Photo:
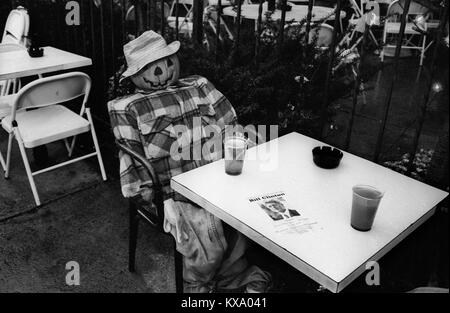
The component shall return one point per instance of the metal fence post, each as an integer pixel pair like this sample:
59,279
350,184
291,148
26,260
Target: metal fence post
356,88
197,27
308,20
282,22
427,100
391,87
162,18
258,31
153,15
138,17
219,16
238,30
122,26
337,16
177,23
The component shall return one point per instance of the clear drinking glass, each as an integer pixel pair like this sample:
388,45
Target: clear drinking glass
235,148
366,200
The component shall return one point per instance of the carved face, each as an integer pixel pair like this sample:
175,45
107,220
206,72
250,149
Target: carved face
158,75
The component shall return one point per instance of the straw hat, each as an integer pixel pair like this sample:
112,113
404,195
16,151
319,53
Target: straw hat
145,49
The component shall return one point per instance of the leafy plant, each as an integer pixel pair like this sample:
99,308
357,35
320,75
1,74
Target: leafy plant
282,85
420,165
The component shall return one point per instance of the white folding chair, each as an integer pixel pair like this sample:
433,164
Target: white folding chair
392,26
130,15
185,15
354,21
17,27
322,34
210,14
50,121
7,90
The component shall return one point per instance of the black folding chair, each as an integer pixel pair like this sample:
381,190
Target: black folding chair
139,209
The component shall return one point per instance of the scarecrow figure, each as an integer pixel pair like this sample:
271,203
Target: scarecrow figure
147,121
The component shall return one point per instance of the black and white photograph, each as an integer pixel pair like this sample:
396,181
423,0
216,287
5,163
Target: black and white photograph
275,205
276,209
193,147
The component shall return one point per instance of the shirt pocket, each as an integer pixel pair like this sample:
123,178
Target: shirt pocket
158,135
207,114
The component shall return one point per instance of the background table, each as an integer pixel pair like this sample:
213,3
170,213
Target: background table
298,12
17,64
334,254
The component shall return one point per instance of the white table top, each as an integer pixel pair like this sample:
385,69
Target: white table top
16,64
334,254
298,12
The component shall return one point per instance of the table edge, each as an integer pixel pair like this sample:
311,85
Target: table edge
81,63
383,251
320,277
306,268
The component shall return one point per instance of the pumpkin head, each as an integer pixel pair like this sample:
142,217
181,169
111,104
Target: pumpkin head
158,75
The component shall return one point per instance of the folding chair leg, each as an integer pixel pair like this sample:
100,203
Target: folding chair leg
66,144
374,39
14,85
178,270
383,46
134,225
97,148
422,51
28,170
19,85
230,34
363,93
350,38
8,154
70,146
8,87
2,161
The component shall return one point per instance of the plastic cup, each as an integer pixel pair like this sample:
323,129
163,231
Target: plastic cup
235,148
366,200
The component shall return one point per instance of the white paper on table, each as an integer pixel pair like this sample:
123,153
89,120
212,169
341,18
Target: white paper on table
284,218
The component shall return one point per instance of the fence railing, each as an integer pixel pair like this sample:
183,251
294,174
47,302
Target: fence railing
105,25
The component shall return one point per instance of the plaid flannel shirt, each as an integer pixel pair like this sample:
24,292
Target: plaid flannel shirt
147,123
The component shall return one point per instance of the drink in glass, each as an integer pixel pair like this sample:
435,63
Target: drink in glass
366,200
234,154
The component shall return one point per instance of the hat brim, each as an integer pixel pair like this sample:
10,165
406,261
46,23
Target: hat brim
169,50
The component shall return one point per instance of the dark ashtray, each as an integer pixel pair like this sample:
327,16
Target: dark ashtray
327,157
35,52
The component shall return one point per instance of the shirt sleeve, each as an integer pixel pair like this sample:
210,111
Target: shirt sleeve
225,113
132,174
